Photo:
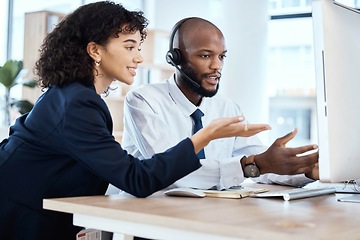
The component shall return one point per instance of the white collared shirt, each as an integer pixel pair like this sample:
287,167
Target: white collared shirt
157,117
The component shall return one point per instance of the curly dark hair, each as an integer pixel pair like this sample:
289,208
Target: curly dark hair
63,56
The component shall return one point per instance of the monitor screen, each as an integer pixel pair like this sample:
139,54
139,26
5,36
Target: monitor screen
337,58
352,5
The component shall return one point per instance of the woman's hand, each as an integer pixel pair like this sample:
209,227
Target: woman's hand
225,127
231,127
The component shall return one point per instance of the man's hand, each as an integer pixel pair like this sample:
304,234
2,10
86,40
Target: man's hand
314,174
289,161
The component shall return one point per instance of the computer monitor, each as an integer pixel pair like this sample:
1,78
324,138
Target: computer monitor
337,59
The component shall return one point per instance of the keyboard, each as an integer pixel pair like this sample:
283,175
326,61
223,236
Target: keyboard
296,193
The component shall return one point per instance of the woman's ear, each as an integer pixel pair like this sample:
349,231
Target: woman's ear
93,51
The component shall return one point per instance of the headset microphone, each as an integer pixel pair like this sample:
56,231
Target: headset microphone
173,56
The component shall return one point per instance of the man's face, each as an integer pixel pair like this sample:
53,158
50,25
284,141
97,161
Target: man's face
203,57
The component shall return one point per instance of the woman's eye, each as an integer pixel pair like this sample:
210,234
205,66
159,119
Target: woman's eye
130,48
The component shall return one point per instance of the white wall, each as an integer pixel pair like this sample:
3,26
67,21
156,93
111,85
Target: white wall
245,29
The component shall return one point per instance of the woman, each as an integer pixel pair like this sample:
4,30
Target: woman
64,147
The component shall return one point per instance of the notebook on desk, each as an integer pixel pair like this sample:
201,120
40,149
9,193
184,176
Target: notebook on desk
199,193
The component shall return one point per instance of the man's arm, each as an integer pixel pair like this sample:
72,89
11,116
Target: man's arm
145,131
151,127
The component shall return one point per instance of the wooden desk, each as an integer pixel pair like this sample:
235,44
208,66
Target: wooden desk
163,217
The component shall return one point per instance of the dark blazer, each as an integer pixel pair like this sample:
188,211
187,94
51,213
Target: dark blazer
63,148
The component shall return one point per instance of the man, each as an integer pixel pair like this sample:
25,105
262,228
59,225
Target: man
158,115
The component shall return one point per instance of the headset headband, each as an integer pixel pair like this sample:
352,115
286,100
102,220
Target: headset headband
174,30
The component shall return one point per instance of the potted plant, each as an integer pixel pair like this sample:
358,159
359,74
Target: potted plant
11,74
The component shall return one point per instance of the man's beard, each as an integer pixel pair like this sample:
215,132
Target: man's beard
200,90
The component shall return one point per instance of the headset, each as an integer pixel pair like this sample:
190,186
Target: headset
173,56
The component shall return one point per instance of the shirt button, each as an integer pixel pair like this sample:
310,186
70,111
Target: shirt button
236,181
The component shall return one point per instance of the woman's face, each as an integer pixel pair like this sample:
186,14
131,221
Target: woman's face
120,58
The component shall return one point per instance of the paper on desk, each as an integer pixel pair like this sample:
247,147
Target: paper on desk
199,193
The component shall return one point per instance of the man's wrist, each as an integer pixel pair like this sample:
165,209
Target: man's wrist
245,160
250,160
250,169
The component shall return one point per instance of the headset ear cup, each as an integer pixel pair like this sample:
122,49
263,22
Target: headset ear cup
173,57
170,57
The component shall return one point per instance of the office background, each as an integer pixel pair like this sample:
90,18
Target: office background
269,69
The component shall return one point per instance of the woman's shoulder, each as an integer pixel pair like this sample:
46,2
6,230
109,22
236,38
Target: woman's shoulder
74,91
73,94
78,88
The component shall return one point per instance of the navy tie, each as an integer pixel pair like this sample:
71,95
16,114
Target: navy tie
196,116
